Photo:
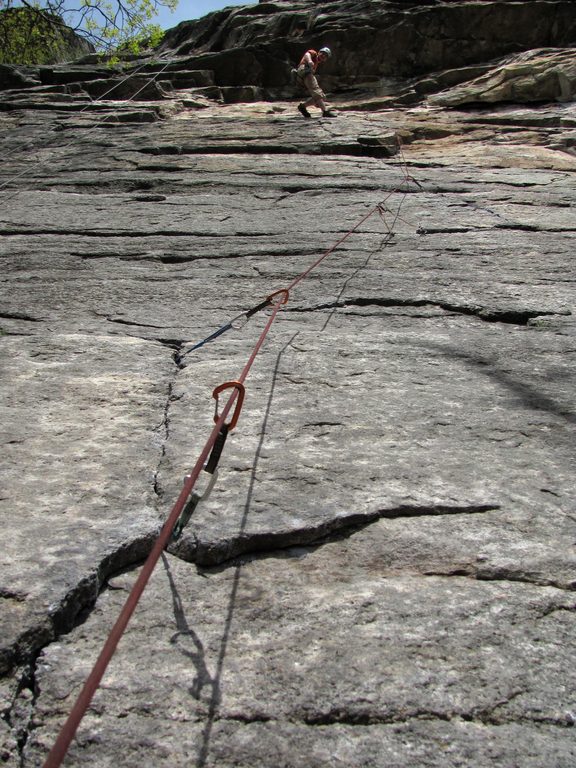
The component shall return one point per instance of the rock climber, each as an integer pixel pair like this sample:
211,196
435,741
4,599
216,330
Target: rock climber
306,78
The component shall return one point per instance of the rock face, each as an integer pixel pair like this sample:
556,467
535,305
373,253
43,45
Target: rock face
384,573
520,51
374,41
543,75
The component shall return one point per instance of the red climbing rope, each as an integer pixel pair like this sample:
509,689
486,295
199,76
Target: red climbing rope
331,250
275,300
60,748
380,208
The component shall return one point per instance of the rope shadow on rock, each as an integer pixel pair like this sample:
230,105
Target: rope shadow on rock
197,654
216,698
388,240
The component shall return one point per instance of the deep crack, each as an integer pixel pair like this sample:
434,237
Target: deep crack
218,553
164,427
489,315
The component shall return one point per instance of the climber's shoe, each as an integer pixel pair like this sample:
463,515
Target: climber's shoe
303,111
329,113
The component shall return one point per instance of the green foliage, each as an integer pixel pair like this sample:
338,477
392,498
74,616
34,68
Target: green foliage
28,39
36,31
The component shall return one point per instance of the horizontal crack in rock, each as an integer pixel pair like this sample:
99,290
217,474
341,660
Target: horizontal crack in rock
101,233
18,316
217,553
353,149
499,573
9,594
121,321
523,227
365,717
489,315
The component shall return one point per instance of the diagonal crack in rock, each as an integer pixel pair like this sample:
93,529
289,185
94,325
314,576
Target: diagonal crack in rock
211,553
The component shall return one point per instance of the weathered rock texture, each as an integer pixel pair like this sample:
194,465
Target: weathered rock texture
377,44
542,75
520,51
384,574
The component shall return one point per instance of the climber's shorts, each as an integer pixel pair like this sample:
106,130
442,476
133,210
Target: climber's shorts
310,83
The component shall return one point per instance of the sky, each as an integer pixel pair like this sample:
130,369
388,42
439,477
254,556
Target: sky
194,9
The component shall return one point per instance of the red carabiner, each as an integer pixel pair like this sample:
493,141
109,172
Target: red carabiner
285,296
241,391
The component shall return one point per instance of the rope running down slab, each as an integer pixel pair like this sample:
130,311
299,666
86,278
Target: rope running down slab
276,300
